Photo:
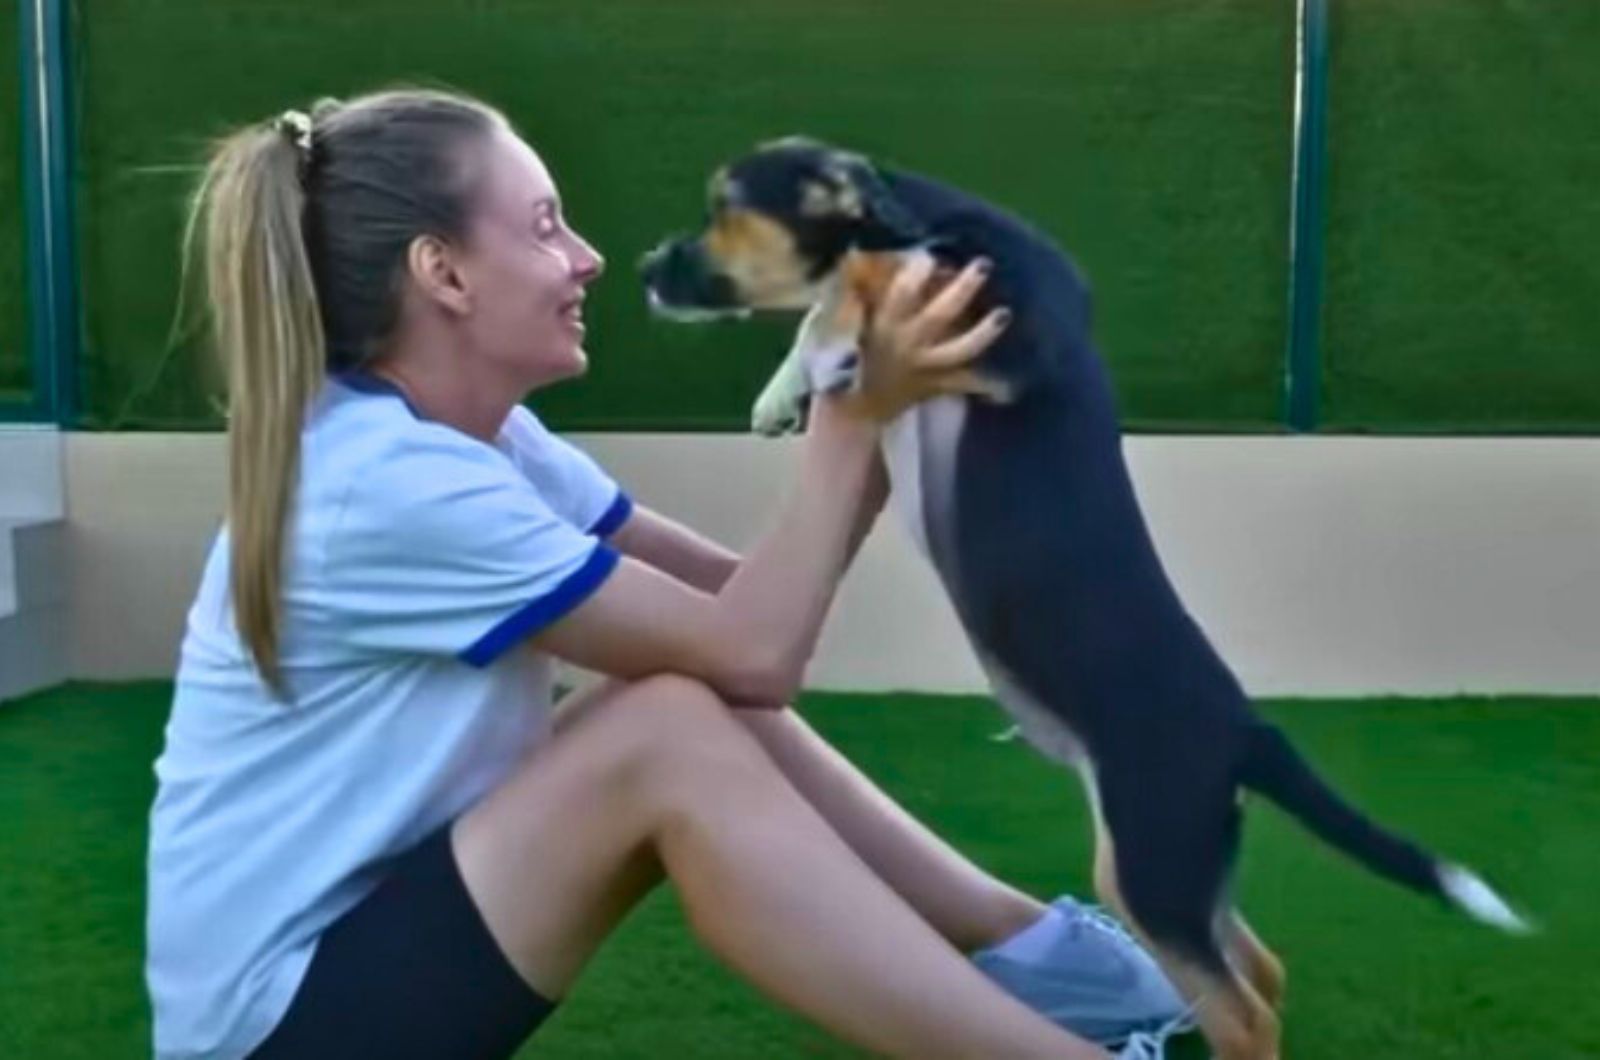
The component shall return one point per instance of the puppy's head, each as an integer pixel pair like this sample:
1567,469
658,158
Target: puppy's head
779,221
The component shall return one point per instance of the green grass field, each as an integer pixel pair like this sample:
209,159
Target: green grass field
1511,786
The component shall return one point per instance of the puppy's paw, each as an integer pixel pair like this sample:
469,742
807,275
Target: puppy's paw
776,415
835,373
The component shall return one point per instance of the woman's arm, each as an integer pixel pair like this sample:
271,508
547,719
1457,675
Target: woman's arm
673,548
752,638
694,559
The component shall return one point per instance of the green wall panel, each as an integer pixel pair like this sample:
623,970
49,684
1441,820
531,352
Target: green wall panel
1463,282
1152,139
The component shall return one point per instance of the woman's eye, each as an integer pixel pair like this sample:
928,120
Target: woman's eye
546,223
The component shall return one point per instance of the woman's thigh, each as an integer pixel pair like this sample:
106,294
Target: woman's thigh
556,856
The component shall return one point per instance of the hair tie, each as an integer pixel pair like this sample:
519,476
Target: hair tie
295,126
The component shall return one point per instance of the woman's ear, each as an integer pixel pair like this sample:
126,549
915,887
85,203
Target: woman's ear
432,267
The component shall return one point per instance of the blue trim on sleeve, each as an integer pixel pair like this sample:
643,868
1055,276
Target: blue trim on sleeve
612,518
534,616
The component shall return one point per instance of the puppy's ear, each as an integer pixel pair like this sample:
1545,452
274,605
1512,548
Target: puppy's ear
858,193
792,142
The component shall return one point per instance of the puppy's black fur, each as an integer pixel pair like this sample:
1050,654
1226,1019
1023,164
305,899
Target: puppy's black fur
1055,576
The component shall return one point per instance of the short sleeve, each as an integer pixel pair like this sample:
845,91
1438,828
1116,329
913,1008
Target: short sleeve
574,486
449,551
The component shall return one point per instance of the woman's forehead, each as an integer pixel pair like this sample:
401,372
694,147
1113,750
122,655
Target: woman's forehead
518,178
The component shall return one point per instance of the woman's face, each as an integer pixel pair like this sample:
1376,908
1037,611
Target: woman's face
526,268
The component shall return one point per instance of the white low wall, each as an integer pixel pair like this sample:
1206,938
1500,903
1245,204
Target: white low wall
1321,566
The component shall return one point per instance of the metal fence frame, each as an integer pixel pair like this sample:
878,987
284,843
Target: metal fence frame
53,325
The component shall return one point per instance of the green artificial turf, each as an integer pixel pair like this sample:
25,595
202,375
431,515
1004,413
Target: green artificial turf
1511,786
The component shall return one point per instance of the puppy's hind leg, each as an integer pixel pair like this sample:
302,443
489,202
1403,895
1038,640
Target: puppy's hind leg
1105,852
1236,1022
1250,955
1173,849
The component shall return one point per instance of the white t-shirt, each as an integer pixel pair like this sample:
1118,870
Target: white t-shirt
417,557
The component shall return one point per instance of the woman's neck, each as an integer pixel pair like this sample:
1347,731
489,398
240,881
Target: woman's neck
449,397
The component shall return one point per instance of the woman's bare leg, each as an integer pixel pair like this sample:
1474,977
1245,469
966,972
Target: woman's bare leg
963,903
657,773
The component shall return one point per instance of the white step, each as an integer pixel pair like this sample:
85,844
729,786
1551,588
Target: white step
33,605
31,480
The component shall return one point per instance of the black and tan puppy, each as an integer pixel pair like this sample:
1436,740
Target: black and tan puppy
1020,497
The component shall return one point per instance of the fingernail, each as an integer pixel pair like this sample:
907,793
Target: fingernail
983,265
1002,317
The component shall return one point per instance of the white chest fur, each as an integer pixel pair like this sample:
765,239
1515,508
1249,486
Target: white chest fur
919,449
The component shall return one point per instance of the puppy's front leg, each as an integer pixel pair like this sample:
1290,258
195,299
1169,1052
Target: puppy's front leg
780,408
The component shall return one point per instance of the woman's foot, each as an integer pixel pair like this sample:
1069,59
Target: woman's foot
1079,968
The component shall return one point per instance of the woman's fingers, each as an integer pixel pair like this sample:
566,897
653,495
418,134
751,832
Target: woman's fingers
965,347
905,290
946,307
910,350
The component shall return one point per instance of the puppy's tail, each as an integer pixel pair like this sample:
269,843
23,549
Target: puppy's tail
1273,768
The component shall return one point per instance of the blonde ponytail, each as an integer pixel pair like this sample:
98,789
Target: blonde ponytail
267,326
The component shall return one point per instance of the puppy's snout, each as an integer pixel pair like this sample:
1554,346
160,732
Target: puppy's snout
679,273
653,263
673,263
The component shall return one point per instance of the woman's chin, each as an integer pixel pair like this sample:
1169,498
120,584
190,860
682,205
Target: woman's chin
578,363
570,364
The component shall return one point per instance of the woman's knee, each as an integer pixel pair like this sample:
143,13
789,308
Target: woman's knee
624,713
668,713
685,742
676,692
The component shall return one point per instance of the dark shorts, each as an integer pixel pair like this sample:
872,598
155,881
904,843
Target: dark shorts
411,971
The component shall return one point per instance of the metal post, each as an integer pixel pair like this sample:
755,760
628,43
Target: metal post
1303,368
47,169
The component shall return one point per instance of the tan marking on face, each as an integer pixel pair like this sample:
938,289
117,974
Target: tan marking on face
759,255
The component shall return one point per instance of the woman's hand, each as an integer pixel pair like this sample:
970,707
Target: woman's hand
908,350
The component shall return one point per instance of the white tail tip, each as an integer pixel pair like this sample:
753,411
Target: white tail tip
1478,900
